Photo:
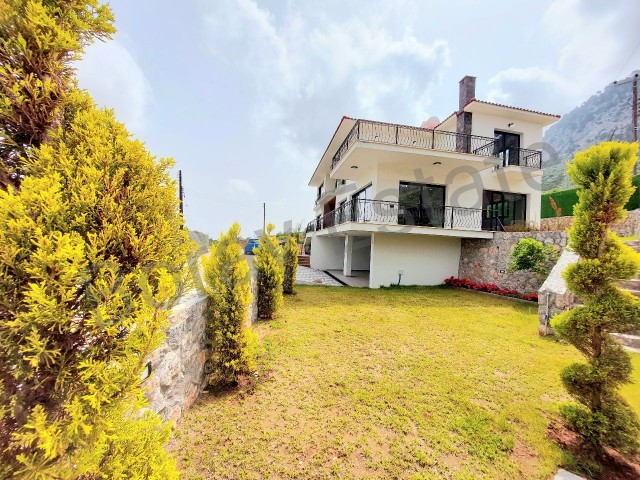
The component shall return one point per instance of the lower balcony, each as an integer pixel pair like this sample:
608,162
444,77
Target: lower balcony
377,212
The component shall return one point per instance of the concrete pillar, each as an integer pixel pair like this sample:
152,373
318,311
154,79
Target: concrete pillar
348,255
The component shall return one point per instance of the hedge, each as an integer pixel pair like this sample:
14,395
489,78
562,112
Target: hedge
566,199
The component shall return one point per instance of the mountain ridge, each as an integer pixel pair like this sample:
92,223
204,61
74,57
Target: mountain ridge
605,115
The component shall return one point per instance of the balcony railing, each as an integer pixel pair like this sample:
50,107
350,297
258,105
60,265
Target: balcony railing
404,135
395,213
520,157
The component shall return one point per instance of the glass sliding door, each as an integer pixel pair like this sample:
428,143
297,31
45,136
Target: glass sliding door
508,147
503,209
361,205
421,204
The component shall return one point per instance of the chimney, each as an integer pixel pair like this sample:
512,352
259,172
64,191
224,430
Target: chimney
463,120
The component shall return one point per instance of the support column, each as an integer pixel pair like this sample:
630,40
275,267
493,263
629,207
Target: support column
348,255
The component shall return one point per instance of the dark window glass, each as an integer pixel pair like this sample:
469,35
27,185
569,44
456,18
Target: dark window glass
421,204
502,209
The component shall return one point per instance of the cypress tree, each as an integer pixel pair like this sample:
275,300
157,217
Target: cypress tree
290,253
232,344
92,255
601,416
270,269
39,41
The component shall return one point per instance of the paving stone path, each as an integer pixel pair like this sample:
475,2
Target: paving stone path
309,276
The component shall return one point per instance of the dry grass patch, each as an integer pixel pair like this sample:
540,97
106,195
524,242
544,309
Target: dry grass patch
422,383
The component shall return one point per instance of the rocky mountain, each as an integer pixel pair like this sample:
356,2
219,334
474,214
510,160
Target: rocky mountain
605,115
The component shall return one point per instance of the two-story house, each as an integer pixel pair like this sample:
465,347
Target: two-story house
396,200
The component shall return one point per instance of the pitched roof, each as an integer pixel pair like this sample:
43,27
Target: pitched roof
512,108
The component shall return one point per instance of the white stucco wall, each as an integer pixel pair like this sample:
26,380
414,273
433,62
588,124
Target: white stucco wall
485,125
327,253
425,260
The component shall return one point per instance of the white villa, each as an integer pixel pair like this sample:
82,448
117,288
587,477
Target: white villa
394,201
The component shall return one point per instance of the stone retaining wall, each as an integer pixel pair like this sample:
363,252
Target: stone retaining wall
178,375
177,367
628,227
486,260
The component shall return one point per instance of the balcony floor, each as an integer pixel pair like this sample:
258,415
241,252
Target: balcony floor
366,228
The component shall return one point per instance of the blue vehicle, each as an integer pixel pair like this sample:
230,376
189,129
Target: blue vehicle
250,245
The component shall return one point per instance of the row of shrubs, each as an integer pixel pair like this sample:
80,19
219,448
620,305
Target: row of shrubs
233,346
489,288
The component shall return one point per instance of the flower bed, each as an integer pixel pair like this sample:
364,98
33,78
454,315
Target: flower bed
489,288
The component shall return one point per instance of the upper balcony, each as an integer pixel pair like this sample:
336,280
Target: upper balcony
484,152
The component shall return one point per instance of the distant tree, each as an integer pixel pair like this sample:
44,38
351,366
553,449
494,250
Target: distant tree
39,41
290,253
232,344
601,416
92,255
270,271
530,254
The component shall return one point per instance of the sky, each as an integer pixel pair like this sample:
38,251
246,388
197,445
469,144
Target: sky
245,94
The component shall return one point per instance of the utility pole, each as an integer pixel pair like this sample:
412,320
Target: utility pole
634,110
180,192
264,217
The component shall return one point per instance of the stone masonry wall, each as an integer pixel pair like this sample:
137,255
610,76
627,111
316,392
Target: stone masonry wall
178,366
486,260
628,227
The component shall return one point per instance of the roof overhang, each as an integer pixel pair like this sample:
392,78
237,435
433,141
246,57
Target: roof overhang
344,127
514,113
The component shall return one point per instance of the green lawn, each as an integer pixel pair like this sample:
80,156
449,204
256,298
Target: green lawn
404,383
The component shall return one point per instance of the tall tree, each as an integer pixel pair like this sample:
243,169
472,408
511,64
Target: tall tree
39,41
601,416
91,255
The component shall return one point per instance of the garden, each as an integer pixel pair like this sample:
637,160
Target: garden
394,383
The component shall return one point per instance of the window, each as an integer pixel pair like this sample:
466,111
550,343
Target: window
320,192
421,204
340,182
502,209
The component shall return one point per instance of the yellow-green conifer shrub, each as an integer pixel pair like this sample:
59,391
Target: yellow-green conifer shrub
92,254
600,416
270,270
232,344
290,253
39,41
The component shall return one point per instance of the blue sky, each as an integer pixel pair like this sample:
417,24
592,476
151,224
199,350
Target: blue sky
246,94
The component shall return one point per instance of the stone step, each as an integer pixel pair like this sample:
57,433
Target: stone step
631,284
635,244
628,339
304,260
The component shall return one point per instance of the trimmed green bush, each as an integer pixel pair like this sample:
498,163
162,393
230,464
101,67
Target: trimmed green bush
232,344
601,417
567,199
530,254
270,270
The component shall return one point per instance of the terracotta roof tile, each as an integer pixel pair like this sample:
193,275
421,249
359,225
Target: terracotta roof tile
513,108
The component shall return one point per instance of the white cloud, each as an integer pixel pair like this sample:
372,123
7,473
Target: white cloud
590,40
309,69
115,80
238,185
